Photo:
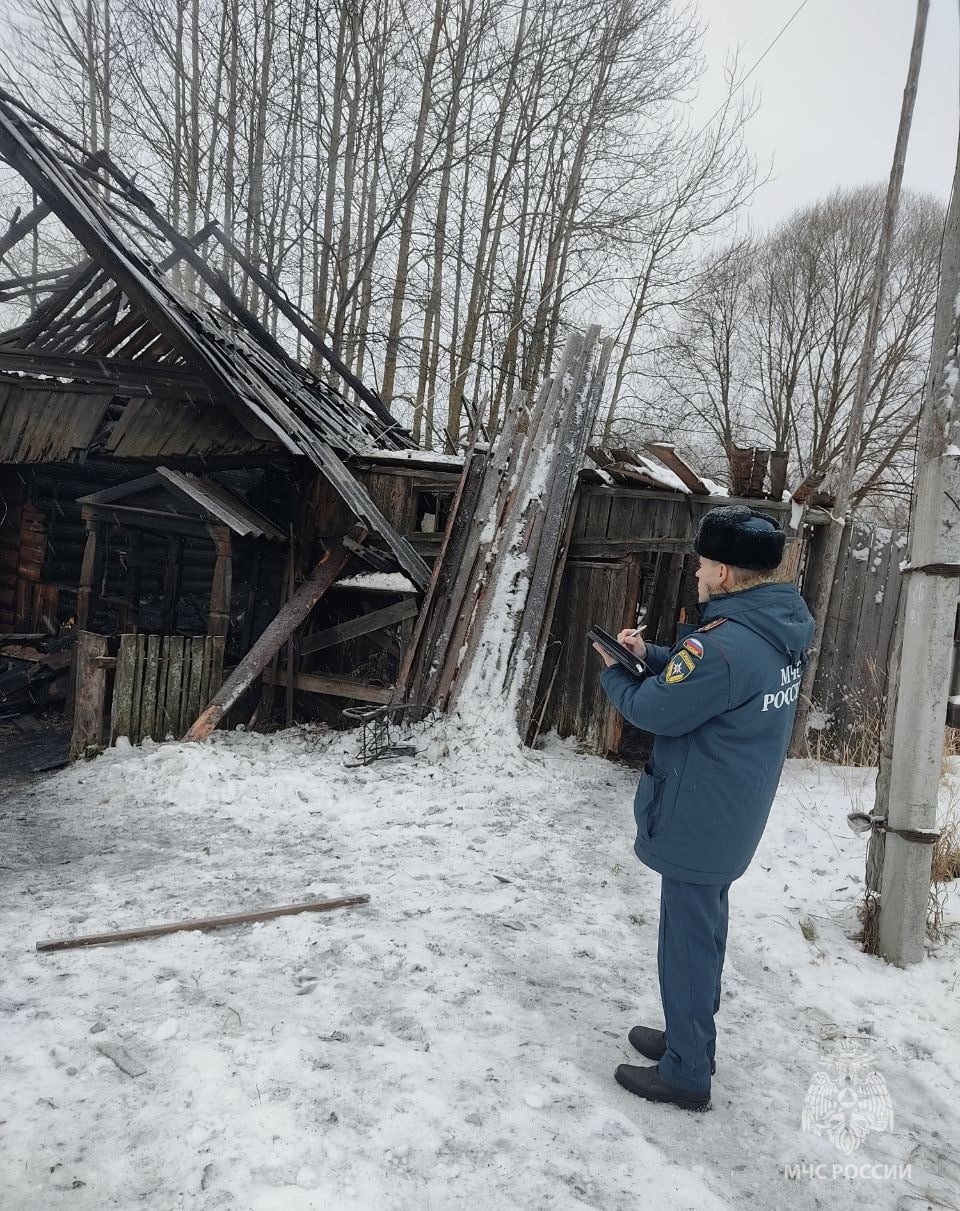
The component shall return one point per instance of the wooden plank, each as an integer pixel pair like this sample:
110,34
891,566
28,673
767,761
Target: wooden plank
456,538
120,722
217,648
90,695
598,515
161,722
174,687
849,626
136,695
183,720
148,700
668,455
337,687
891,599
860,671
827,693
273,638
355,627
195,701
239,918
538,529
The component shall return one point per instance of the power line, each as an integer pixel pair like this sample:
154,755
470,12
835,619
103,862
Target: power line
740,85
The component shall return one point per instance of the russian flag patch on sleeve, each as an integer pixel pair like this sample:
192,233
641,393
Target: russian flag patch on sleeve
694,646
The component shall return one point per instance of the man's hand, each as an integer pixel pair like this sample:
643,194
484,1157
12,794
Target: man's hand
632,640
607,659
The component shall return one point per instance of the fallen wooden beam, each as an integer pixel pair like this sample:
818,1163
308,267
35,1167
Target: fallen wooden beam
336,687
236,918
353,628
276,634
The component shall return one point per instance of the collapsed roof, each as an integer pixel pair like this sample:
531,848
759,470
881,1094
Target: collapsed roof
117,358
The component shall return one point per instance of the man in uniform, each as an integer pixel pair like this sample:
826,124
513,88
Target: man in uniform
721,705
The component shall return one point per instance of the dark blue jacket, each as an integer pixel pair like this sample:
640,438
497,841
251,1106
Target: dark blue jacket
722,710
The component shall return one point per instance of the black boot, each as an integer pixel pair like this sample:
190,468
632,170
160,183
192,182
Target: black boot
649,1084
653,1044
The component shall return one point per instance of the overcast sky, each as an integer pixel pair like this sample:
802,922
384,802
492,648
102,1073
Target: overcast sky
830,93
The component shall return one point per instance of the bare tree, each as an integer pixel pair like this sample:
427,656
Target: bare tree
767,350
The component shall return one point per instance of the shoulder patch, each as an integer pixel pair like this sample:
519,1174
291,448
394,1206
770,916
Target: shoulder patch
680,667
694,646
717,622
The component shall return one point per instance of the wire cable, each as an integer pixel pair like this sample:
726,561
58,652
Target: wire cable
741,83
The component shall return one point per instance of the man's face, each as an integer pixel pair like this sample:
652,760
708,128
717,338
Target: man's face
712,578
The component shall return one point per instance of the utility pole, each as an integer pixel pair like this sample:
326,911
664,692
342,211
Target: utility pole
921,681
827,590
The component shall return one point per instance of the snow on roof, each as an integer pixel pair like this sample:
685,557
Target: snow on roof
433,458
660,474
381,582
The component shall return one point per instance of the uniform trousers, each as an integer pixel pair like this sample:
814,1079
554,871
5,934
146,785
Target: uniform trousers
690,952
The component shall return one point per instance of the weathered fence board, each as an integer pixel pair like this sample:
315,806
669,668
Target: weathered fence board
574,702
849,696
162,683
91,682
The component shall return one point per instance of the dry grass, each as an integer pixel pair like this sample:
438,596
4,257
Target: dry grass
860,746
945,867
946,853
868,914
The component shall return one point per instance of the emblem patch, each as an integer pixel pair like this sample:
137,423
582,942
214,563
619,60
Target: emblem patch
680,667
694,646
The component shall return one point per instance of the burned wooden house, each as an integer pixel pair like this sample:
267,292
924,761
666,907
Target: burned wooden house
171,480
159,451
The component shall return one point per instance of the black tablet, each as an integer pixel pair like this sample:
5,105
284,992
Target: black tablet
630,661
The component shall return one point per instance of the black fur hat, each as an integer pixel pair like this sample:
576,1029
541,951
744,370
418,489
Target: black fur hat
741,537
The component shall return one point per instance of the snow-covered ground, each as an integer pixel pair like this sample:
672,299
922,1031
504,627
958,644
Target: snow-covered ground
451,1044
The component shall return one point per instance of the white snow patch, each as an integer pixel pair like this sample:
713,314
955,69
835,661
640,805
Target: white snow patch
427,457
713,487
382,582
819,720
663,476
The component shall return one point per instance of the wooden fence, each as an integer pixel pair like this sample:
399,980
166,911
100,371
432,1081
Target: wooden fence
160,685
849,695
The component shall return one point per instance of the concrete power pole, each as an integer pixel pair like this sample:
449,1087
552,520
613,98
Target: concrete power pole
827,589
920,683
